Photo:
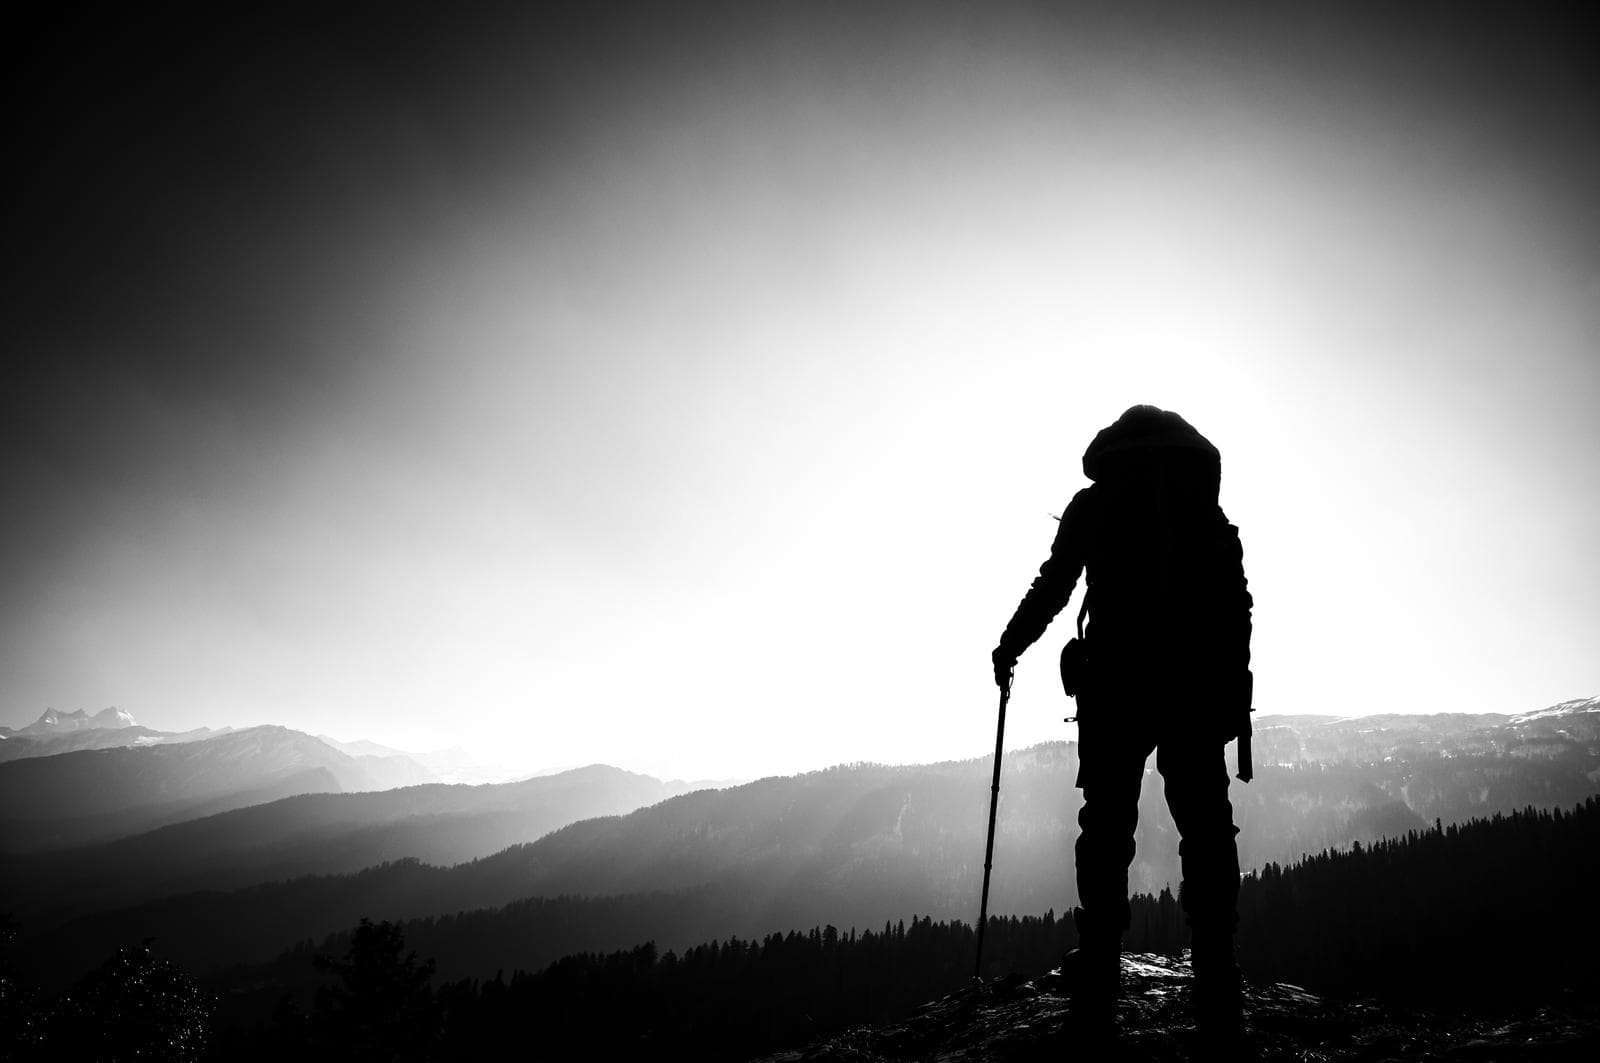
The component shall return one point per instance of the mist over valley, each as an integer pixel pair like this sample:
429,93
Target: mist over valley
598,858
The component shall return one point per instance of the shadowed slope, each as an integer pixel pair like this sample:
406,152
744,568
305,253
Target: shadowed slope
317,834
857,844
91,795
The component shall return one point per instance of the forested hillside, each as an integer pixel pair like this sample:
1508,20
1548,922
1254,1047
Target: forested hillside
853,845
1418,921
317,833
1395,736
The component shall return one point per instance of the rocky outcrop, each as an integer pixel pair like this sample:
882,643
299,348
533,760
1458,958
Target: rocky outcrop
1013,1020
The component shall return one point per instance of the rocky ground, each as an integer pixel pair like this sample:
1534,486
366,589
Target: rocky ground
1017,1020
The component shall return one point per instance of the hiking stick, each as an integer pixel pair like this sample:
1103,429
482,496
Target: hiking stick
994,803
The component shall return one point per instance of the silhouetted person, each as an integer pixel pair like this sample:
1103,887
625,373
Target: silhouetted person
1168,655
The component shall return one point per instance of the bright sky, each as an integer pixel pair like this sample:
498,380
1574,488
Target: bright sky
714,427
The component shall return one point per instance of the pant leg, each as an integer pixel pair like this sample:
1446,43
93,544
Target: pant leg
1111,772
1195,774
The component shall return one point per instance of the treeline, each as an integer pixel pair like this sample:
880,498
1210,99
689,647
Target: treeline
135,1006
727,1000
1291,811
1448,916
1433,918
1482,913
852,846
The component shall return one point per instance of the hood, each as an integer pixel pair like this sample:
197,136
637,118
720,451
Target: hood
1144,428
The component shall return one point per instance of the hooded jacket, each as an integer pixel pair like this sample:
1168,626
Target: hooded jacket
1168,604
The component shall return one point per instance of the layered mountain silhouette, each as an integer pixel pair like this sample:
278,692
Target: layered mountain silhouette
89,795
318,834
852,845
453,765
1376,934
1545,732
62,732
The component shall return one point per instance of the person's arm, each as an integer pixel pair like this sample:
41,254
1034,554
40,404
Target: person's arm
1051,589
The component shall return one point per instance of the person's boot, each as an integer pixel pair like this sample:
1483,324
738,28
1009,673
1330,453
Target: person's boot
1092,975
1218,987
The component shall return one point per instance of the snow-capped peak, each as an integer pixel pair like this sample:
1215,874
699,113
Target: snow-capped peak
1565,708
53,721
112,717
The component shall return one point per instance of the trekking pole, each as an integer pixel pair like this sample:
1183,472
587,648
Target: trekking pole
994,804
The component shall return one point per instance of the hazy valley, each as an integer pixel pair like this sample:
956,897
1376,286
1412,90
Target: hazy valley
515,875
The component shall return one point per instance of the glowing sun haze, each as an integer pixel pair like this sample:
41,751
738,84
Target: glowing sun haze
699,403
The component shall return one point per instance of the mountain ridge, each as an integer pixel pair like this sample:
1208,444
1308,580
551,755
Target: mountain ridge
53,721
87,795
870,839
319,833
855,843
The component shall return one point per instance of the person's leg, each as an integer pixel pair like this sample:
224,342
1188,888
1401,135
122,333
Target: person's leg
1111,770
1196,779
1105,845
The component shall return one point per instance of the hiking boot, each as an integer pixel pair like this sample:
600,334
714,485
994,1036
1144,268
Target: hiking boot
1218,997
1092,974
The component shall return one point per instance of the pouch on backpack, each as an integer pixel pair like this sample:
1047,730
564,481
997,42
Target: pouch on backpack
1075,657
1074,666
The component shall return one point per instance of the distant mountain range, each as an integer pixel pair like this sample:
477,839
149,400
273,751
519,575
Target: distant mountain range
1291,740
851,846
53,722
88,795
64,732
317,834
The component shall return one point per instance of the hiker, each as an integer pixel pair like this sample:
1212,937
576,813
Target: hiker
1165,668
